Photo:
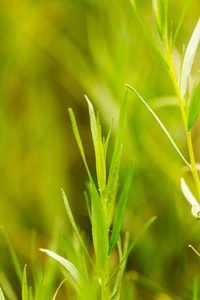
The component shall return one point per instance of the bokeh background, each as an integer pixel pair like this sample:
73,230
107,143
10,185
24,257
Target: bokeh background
51,54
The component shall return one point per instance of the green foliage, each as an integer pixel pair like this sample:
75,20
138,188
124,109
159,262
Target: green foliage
1,295
194,107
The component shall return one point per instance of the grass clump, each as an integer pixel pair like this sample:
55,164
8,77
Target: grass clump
101,201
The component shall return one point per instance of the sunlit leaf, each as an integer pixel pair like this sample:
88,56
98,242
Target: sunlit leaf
55,295
189,58
98,146
187,193
1,295
66,264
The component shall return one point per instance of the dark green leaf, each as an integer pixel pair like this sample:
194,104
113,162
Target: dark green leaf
194,107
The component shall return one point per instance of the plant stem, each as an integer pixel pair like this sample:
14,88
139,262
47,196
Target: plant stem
184,118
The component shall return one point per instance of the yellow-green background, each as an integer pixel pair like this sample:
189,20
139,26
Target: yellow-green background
51,54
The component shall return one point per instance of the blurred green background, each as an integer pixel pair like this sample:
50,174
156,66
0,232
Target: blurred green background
51,54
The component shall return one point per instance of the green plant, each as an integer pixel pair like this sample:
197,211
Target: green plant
102,283
163,45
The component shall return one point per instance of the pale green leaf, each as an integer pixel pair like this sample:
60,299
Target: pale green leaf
73,223
187,193
189,58
194,250
120,212
55,295
24,285
108,138
194,107
162,126
2,295
130,248
67,265
98,146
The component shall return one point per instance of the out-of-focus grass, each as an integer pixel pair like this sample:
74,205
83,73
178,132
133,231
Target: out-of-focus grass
53,52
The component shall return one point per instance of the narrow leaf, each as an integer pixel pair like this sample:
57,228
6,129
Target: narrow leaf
13,255
67,265
194,107
160,15
99,229
108,138
55,295
195,289
130,248
151,40
162,126
24,285
194,250
189,58
2,295
98,146
187,193
120,211
73,223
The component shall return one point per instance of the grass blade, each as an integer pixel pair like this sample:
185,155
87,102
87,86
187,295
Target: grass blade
194,107
187,193
120,211
79,142
189,58
160,15
73,223
197,253
151,40
55,295
24,285
162,126
13,255
98,146
130,248
195,289
67,265
2,295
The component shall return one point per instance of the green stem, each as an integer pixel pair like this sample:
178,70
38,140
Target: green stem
184,118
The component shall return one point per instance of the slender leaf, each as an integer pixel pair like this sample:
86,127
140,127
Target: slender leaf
130,248
195,289
194,107
108,138
194,250
160,15
2,295
189,58
13,255
55,295
112,184
120,211
98,146
162,126
79,142
67,265
73,223
99,229
88,205
151,40
117,287
24,285
187,193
